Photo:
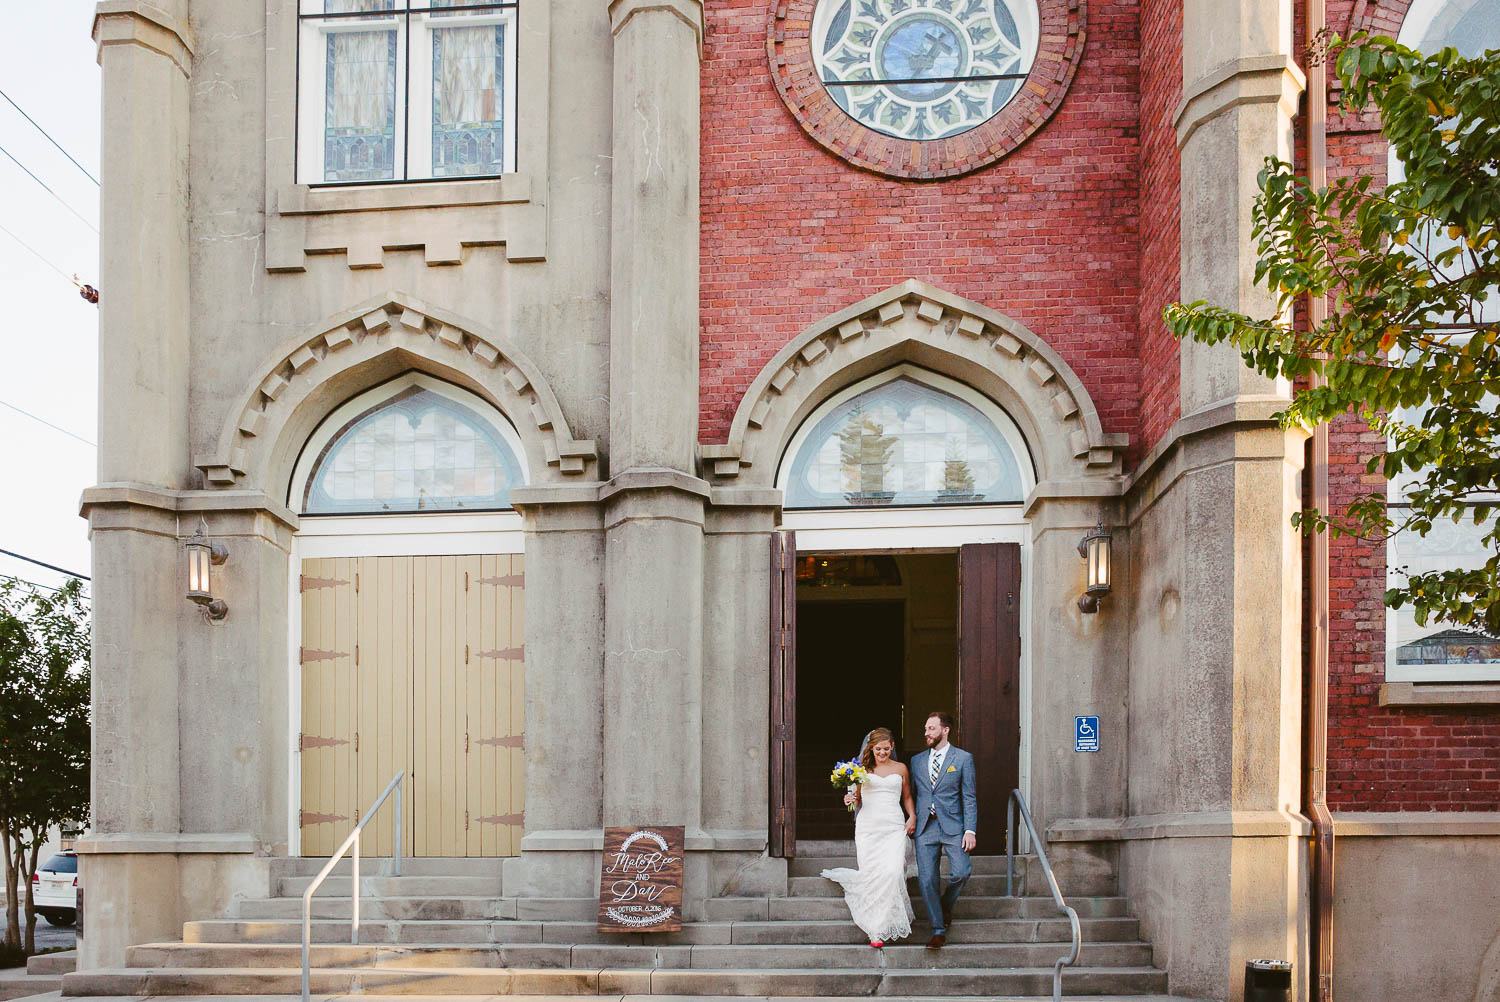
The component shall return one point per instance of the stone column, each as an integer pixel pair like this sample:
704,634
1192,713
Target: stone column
1213,858
145,55
654,501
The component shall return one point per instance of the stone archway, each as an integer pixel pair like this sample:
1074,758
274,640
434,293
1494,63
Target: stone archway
917,323
307,376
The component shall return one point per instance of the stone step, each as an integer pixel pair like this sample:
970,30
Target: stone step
53,963
407,886
811,909
453,907
912,956
1032,981
437,866
811,866
979,885
833,932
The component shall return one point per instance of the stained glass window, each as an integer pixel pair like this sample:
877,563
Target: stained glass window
417,452
1438,651
903,443
924,69
407,89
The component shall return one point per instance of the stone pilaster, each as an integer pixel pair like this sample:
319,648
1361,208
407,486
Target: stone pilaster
654,502
1212,855
145,58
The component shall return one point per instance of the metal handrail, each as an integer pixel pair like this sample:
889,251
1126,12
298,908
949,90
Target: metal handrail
1016,800
353,839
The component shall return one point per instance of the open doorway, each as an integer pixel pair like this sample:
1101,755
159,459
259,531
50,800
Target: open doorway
877,646
870,639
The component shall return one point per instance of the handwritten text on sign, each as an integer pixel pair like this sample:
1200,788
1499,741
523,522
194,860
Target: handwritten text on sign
640,879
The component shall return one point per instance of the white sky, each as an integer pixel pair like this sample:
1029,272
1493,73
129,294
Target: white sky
49,347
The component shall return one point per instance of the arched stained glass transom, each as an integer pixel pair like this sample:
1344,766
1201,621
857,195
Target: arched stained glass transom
904,442
417,449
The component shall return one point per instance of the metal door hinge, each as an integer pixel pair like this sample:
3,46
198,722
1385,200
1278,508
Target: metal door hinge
466,742
466,580
466,652
356,654
356,741
466,820
356,581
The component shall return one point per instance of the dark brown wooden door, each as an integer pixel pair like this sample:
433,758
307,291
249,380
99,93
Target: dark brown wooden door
989,678
782,824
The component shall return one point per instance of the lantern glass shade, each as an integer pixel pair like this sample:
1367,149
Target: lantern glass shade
199,580
1096,547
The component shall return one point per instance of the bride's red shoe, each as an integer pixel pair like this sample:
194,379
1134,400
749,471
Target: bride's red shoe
877,944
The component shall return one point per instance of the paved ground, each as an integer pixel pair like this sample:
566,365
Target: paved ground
50,936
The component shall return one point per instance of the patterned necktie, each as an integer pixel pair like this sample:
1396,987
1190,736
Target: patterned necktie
933,758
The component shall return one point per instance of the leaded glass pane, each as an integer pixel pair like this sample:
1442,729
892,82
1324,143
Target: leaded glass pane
418,452
923,69
1447,546
468,98
359,130
903,443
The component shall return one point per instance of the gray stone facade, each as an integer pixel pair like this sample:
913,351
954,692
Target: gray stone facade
242,308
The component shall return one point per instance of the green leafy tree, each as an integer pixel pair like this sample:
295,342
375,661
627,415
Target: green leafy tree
44,735
1409,273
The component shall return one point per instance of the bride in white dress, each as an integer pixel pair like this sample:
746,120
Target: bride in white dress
876,891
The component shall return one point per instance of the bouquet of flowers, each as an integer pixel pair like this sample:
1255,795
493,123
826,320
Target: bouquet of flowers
847,775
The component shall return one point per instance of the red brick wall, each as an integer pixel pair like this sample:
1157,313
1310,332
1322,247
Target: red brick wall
791,233
1161,204
1385,758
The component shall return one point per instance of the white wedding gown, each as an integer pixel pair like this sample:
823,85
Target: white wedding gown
876,891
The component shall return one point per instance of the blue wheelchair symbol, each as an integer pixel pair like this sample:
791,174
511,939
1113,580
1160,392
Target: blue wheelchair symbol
1086,734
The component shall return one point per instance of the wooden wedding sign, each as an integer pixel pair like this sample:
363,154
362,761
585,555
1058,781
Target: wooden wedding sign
640,879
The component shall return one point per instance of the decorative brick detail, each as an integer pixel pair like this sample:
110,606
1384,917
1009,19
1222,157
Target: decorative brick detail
1058,54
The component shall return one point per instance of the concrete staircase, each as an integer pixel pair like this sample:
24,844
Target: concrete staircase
445,928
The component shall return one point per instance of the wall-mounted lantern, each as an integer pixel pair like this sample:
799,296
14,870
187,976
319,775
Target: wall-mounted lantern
202,556
1094,549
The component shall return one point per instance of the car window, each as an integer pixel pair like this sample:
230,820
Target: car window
61,864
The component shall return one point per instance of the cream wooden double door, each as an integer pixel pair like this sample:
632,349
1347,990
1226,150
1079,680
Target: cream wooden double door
414,663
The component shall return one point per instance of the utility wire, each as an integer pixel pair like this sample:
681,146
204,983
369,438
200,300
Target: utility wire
54,142
42,563
42,258
37,584
49,424
49,191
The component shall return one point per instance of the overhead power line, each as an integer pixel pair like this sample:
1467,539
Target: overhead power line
54,142
49,424
43,563
60,200
43,258
37,584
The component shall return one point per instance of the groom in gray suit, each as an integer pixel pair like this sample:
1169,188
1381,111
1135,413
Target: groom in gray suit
947,813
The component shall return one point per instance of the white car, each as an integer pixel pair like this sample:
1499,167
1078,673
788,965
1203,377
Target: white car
54,889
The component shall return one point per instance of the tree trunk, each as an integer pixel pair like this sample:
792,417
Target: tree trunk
12,926
26,874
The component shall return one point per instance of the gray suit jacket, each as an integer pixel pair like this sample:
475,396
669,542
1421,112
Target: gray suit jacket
954,796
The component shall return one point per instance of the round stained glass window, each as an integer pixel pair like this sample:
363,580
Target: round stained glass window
924,69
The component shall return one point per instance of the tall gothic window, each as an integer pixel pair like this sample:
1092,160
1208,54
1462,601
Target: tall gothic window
905,442
394,90
414,450
1438,651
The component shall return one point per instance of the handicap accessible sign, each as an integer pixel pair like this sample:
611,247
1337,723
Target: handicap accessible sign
1085,734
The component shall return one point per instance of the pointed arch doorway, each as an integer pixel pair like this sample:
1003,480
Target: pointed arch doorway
407,619
897,589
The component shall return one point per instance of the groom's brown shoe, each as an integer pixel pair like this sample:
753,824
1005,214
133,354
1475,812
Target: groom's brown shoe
937,942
